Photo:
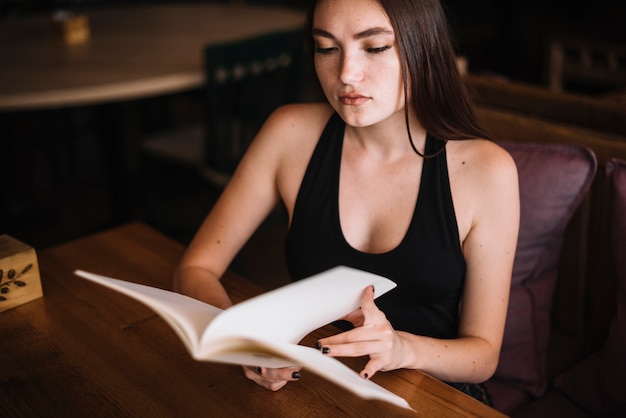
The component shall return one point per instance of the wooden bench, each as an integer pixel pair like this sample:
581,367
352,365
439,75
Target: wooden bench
590,112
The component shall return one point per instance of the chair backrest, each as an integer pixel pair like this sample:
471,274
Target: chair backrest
597,384
614,366
553,179
245,81
591,63
585,111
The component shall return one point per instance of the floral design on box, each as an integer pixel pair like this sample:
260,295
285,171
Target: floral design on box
11,280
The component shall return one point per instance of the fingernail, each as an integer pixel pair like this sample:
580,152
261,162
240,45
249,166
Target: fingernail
366,375
318,345
259,370
325,350
295,375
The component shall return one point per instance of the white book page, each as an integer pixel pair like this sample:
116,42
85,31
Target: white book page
286,314
242,350
289,313
325,298
187,316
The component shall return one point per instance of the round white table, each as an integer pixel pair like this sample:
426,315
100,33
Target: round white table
132,52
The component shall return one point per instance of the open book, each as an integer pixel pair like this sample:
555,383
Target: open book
265,330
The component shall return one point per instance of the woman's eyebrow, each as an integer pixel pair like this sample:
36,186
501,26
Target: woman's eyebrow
373,32
361,35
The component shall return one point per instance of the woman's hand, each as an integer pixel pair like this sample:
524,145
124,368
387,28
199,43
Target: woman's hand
373,336
272,379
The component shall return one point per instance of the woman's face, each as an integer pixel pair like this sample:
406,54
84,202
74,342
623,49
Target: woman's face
357,60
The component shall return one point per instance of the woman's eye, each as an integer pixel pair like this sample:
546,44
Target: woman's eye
378,50
321,50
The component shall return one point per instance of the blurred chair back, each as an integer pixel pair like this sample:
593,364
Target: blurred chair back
245,81
591,63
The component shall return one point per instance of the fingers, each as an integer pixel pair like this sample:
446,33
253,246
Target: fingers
369,311
272,379
367,301
358,341
355,318
375,337
375,364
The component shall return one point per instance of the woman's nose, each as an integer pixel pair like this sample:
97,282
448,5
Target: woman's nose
351,70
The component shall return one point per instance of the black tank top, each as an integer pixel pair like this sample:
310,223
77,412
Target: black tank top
428,265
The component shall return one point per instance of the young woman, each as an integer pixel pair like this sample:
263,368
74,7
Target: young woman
392,175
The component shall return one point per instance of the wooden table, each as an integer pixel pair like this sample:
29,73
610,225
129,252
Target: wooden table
83,350
133,52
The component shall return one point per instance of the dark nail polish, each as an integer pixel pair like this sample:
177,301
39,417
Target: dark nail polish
318,345
325,350
366,376
295,375
259,370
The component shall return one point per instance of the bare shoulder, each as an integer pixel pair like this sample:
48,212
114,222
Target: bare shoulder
284,145
484,185
482,174
302,120
481,160
289,132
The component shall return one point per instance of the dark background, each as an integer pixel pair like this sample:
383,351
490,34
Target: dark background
61,177
500,36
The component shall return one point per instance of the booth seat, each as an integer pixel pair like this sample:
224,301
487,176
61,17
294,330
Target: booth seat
553,180
563,305
595,387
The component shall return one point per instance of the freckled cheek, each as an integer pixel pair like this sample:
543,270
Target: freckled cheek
327,74
321,70
386,76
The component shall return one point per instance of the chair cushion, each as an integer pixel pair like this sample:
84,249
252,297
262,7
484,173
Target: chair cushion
552,405
597,384
553,179
507,398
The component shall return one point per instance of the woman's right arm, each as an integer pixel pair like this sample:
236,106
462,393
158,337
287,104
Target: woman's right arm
248,198
271,170
251,194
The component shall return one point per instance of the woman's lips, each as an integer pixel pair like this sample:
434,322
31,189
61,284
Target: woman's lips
353,99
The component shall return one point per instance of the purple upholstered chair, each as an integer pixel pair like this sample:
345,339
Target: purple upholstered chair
554,179
596,387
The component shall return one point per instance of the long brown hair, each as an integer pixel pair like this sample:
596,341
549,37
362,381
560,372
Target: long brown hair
437,92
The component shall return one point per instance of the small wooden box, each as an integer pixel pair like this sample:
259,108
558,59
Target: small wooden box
70,28
19,273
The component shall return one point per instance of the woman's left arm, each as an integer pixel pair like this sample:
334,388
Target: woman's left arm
489,249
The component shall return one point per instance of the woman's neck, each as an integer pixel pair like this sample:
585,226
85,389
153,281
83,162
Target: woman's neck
388,139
